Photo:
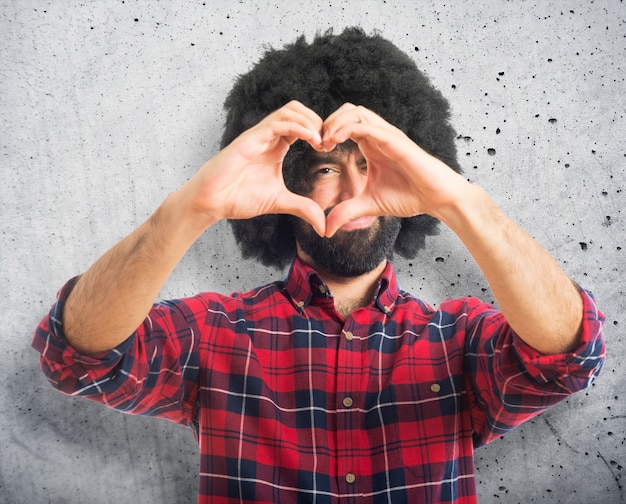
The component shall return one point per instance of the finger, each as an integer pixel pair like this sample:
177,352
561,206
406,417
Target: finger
347,211
316,121
329,123
304,208
346,107
346,116
374,140
331,120
297,113
267,137
292,131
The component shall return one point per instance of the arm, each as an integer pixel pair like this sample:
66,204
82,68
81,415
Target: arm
538,300
116,293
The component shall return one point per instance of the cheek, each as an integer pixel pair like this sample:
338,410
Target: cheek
324,197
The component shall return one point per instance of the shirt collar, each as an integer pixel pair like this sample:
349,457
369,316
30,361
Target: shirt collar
305,286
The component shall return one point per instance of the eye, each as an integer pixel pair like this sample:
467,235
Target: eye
323,170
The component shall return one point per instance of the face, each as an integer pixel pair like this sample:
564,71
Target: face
360,245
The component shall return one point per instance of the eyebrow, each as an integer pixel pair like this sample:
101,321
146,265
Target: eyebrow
333,157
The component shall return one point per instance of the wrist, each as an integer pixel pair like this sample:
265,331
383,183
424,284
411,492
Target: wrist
467,211
184,215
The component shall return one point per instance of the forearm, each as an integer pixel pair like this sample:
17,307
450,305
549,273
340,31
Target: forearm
539,301
113,297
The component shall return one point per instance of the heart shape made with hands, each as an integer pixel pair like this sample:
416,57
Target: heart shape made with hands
339,199
367,131
402,179
385,150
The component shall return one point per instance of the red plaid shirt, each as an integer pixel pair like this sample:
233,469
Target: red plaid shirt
291,402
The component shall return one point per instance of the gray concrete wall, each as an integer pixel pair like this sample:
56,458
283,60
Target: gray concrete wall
107,106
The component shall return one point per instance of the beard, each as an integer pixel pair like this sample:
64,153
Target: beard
349,253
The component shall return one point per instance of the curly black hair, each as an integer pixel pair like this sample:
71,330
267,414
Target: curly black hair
334,69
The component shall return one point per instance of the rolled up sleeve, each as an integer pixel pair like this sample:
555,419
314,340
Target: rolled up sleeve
512,382
153,372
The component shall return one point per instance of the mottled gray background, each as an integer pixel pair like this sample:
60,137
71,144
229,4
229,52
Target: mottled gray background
107,106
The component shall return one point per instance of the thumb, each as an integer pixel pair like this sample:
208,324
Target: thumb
347,211
304,208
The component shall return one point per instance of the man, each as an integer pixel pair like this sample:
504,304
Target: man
333,385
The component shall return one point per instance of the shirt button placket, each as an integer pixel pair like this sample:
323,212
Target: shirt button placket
349,360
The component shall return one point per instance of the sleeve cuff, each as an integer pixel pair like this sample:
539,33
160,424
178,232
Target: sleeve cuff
586,360
58,355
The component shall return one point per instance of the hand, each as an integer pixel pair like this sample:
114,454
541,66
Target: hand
402,179
245,179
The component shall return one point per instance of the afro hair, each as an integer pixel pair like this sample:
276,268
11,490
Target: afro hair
334,69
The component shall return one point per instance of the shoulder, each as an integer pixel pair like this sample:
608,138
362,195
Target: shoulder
464,305
264,297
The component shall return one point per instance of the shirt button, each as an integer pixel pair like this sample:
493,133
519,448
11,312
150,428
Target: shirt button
387,309
300,304
435,387
350,478
348,402
349,335
322,289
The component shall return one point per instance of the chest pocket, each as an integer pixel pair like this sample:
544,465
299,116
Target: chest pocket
417,414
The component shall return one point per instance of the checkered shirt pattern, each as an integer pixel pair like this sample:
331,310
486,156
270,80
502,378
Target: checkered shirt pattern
290,402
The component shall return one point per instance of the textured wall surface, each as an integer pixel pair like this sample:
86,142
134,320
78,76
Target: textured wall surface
107,106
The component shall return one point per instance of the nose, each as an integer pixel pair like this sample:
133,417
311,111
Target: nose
354,178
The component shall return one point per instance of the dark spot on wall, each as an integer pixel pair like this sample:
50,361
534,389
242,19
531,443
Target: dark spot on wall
552,120
583,245
439,259
491,152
